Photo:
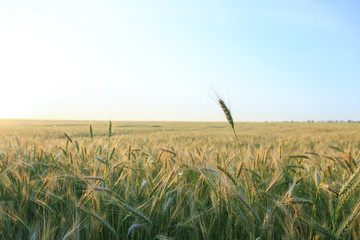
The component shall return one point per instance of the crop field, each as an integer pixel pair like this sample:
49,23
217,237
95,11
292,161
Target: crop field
179,180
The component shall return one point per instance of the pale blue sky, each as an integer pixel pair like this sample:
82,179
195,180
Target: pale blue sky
159,60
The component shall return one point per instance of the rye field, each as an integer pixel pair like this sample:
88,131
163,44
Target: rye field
177,180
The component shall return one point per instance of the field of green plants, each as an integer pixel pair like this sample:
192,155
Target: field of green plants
175,180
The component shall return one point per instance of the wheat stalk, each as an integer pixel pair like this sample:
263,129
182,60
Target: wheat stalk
91,132
230,120
110,129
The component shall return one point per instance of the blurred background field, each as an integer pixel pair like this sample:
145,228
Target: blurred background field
198,134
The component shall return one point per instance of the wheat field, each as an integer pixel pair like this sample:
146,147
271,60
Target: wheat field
177,180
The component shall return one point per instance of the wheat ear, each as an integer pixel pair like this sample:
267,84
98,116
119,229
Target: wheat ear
229,117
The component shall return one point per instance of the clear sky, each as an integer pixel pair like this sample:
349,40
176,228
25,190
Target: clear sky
159,60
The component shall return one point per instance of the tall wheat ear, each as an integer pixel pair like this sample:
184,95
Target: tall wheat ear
230,120
227,112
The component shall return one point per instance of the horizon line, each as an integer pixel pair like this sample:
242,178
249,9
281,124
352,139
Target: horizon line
189,121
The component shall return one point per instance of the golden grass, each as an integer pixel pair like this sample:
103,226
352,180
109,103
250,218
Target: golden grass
164,180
